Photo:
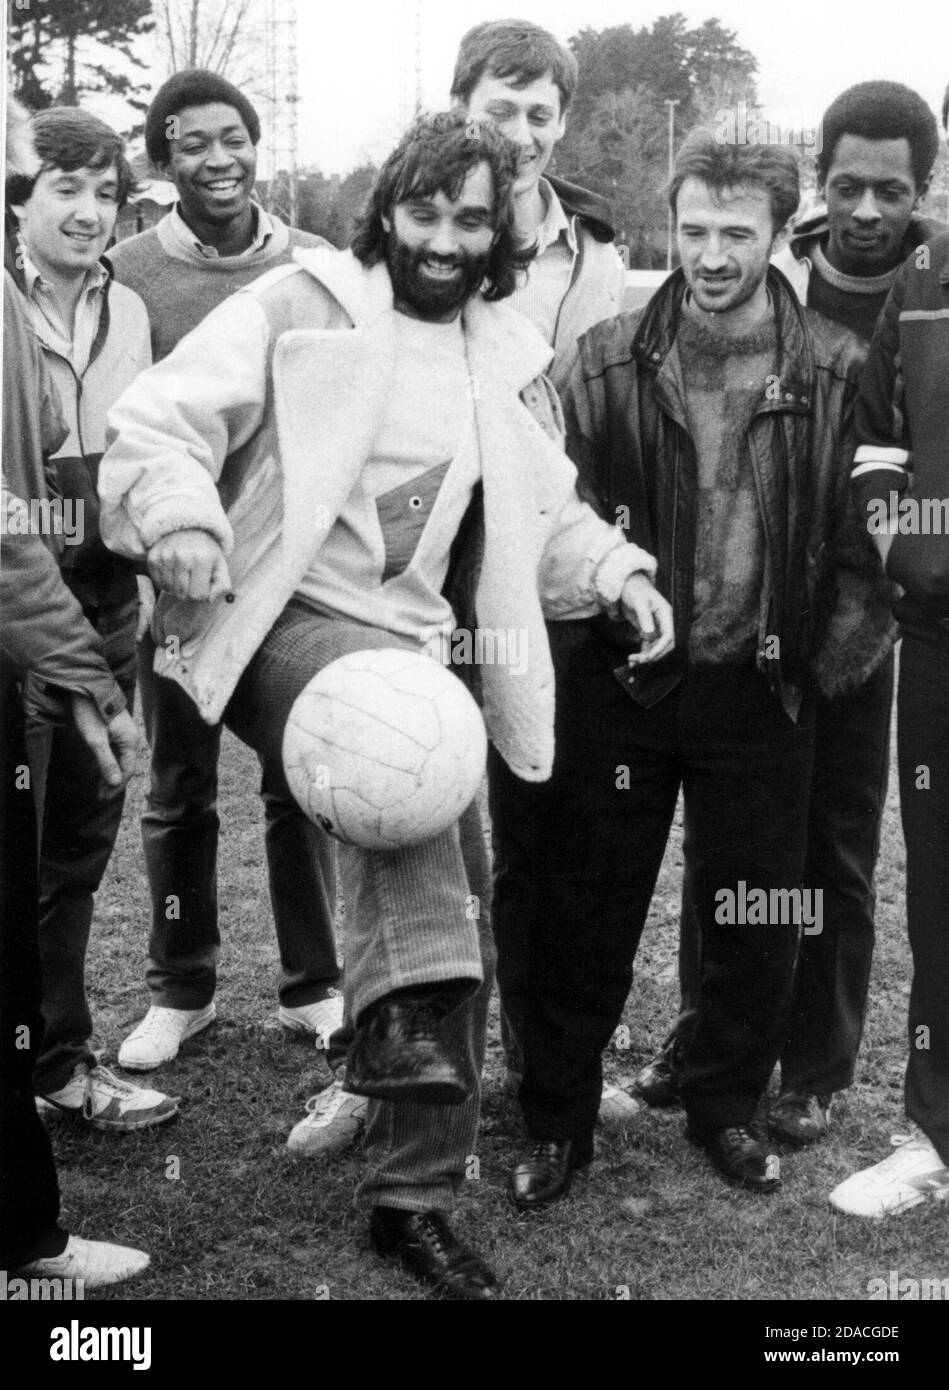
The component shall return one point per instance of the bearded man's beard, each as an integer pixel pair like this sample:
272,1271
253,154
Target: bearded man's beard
432,298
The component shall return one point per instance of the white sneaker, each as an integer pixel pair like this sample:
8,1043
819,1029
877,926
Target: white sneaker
319,1020
160,1034
95,1262
910,1175
105,1102
616,1107
332,1121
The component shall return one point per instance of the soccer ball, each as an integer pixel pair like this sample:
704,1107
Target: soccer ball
384,748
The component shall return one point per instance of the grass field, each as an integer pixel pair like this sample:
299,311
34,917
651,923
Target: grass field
244,1220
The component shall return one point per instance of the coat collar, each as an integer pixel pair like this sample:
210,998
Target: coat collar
656,333
497,334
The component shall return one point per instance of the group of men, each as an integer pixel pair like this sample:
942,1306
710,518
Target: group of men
340,450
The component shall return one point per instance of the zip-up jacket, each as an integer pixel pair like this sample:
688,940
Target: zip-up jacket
902,419
597,282
120,351
258,426
629,437
42,627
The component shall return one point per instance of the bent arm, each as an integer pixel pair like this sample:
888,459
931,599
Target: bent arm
169,434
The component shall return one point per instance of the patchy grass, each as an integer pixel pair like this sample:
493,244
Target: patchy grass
244,1220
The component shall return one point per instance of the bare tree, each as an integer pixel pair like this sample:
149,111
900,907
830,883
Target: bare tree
222,35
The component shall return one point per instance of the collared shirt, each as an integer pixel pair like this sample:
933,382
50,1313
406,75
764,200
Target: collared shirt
47,319
263,231
551,271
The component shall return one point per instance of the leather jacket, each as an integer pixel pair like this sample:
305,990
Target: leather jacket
628,434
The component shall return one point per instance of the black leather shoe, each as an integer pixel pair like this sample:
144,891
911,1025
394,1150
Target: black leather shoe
799,1117
425,1245
398,1055
660,1081
739,1157
543,1174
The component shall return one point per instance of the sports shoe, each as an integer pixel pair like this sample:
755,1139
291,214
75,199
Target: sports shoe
332,1122
158,1037
616,1107
912,1173
319,1020
105,1102
95,1262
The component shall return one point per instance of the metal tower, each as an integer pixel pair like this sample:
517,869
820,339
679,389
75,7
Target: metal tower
281,101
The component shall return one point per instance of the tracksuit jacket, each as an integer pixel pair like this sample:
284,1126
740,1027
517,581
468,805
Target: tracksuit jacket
902,422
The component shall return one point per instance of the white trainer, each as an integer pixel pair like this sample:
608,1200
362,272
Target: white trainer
158,1037
105,1102
95,1262
914,1172
332,1121
319,1020
616,1107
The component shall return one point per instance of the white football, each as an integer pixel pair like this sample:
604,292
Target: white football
384,748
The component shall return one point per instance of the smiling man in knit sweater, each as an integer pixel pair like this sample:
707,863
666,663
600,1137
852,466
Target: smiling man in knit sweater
202,133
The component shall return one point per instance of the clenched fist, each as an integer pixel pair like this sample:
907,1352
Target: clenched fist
189,564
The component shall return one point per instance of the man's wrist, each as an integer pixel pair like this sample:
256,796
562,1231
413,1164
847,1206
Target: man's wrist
625,560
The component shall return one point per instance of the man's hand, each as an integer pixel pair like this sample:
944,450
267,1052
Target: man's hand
114,744
189,564
644,607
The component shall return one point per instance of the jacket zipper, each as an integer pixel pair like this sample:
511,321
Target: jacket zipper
574,277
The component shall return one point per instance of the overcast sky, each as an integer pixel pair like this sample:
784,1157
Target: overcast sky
357,60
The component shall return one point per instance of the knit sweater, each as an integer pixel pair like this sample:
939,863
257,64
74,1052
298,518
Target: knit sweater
180,287
853,300
723,382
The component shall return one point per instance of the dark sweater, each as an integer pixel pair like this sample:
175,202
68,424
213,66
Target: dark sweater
724,382
180,288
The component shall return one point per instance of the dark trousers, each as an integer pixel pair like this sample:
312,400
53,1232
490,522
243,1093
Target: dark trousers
80,822
923,747
848,795
577,859
29,1191
180,838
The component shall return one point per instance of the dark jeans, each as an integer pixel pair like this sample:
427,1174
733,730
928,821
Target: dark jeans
923,746
576,864
29,1191
80,826
180,838
848,795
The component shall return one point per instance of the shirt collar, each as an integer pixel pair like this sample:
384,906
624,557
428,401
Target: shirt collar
556,221
263,231
95,278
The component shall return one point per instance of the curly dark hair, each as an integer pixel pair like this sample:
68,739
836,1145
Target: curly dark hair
436,155
881,111
192,87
